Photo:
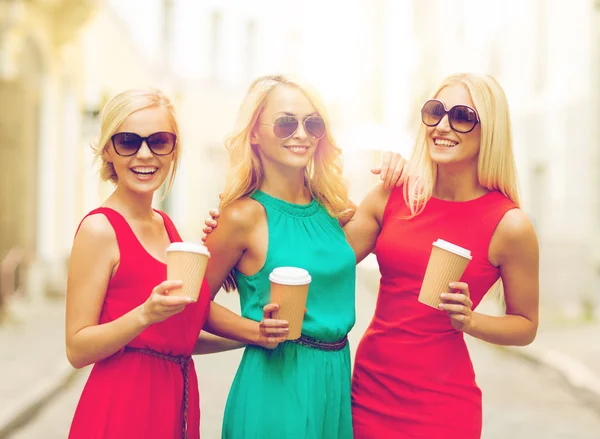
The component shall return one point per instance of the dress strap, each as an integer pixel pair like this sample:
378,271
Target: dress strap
171,229
126,239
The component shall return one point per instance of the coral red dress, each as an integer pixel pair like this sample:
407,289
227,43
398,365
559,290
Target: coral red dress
138,393
413,376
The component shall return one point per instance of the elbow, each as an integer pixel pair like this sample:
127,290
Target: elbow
529,336
75,360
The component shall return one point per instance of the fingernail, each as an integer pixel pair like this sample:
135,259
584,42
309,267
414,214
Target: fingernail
443,295
452,285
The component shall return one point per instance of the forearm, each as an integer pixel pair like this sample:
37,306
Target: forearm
209,344
225,323
507,330
95,343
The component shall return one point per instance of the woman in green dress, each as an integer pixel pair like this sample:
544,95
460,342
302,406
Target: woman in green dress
281,206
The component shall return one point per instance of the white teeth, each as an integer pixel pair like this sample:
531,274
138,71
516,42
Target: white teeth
443,142
144,170
297,148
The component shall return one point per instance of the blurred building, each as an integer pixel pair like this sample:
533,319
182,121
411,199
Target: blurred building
374,61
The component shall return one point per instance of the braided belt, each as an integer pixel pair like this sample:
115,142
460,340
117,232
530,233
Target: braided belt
313,343
184,363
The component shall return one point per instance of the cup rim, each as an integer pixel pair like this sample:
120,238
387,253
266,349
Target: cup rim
453,248
290,276
191,247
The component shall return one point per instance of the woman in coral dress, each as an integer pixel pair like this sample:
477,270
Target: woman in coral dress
413,376
119,314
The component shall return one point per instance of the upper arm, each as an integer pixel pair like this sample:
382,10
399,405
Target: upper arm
514,249
364,227
94,254
228,242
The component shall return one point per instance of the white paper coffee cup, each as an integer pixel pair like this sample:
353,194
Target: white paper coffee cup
186,261
289,289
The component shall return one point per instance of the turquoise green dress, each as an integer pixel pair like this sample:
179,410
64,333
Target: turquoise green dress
295,391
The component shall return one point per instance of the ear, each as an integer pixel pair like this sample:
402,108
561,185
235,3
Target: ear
106,155
254,136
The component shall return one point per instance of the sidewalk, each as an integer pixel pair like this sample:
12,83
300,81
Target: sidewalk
33,364
573,351
34,368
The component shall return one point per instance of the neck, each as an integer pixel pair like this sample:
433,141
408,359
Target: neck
458,182
285,184
132,205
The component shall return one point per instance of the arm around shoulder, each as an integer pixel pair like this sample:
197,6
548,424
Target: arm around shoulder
364,227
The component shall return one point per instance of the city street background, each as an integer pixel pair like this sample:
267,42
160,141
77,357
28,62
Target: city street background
374,62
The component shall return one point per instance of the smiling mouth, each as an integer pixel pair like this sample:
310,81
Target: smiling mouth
146,170
443,143
297,149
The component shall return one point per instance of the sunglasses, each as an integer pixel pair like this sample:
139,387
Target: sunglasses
128,144
461,118
286,126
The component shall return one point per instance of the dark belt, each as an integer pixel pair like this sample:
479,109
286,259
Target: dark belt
184,363
313,343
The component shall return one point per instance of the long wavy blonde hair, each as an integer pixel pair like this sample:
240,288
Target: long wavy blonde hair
114,114
496,168
323,174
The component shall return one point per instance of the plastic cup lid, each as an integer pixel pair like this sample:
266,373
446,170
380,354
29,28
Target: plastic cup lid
290,276
453,248
188,247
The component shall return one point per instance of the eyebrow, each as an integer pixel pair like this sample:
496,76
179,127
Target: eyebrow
314,113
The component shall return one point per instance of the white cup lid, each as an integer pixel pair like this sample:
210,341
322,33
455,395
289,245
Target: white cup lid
453,248
188,247
290,276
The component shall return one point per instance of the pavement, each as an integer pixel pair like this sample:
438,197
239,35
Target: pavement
34,368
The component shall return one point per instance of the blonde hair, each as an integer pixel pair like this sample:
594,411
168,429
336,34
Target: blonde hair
496,169
323,174
120,108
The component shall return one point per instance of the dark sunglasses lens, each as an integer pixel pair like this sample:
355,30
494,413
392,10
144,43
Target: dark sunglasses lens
315,126
162,143
126,143
285,126
462,118
432,112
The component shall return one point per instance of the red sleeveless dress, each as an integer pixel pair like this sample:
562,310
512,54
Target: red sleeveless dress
413,377
132,394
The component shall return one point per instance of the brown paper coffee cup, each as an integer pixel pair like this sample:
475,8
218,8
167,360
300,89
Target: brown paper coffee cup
187,262
289,289
447,263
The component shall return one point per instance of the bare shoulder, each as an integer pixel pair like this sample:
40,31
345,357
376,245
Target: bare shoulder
242,214
96,228
514,234
96,240
515,226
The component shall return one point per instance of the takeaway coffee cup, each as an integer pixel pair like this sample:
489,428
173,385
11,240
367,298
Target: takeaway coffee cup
289,289
447,263
187,261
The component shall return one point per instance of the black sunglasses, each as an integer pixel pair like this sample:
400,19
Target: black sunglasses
128,144
461,118
286,126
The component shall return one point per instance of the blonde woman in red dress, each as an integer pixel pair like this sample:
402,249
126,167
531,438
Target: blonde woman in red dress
119,314
413,377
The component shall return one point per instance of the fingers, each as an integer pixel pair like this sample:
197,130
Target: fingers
214,213
386,160
456,303
163,287
461,286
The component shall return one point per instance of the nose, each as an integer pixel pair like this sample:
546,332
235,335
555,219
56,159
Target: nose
300,131
444,125
144,151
